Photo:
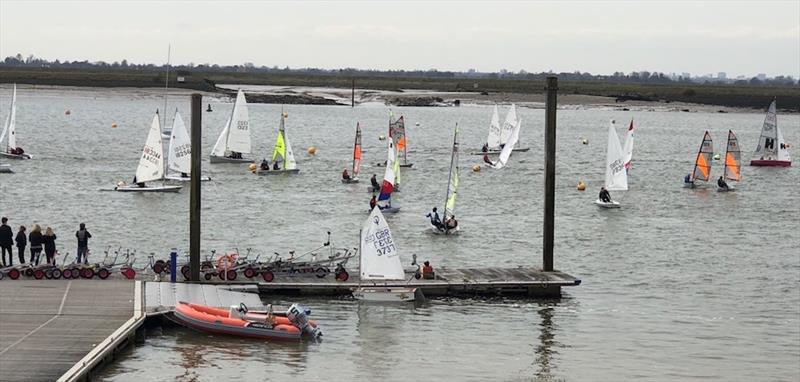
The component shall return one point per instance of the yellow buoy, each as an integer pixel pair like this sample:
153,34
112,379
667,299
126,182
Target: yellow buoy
312,150
285,114
476,168
252,167
381,137
581,186
113,125
716,156
585,141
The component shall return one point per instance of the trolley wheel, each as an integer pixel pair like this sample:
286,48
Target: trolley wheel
2,275
38,274
249,272
268,276
129,273
48,274
417,275
57,273
321,272
29,272
208,276
158,267
185,271
71,273
103,273
230,275
87,273
14,274
342,276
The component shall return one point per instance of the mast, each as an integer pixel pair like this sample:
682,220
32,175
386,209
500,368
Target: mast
450,175
166,86
355,145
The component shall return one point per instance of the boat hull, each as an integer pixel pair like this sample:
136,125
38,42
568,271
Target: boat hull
206,323
15,156
451,231
386,294
497,152
350,181
278,172
135,188
389,210
729,189
407,165
770,163
216,159
178,178
611,204
6,169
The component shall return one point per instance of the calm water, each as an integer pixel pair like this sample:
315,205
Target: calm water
678,285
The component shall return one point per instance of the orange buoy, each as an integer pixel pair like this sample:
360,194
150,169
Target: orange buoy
476,168
113,125
252,167
581,186
312,150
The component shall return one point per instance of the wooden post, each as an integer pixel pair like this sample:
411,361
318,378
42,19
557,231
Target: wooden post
549,173
353,94
194,196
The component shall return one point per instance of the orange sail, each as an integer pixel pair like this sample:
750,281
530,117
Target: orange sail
732,158
702,165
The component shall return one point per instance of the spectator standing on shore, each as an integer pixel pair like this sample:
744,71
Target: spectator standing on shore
22,242
49,241
35,239
6,242
83,236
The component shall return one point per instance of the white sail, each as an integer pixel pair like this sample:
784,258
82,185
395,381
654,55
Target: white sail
239,128
219,147
290,164
151,164
452,184
9,128
180,147
783,151
628,147
508,126
493,140
378,253
385,196
616,176
505,154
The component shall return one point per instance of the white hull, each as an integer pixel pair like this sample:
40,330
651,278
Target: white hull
216,159
349,181
178,178
6,168
277,172
15,156
390,210
135,188
602,204
451,231
386,294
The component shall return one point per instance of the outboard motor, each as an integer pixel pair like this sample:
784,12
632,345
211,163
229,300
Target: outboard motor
299,317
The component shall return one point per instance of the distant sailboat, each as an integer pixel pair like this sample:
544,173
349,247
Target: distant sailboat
356,157
380,262
772,149
702,163
452,192
282,153
616,176
234,141
384,201
179,157
628,148
733,162
10,149
499,135
505,154
397,130
151,164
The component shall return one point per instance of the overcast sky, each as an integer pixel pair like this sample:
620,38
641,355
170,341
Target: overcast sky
740,38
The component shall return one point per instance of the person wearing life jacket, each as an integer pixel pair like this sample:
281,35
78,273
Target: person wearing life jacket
275,166
487,160
375,185
605,197
345,175
721,183
434,216
264,165
485,148
427,271
451,223
372,202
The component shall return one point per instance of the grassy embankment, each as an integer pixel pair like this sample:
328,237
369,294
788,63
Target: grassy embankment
757,97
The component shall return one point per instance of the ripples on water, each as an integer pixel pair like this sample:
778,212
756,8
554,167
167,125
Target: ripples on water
678,285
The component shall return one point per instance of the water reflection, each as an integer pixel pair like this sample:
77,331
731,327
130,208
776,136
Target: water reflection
544,349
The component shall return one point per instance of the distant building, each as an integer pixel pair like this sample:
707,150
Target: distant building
722,75
686,75
181,79
762,76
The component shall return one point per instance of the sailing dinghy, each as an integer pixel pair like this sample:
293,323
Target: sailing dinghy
380,261
397,131
772,150
151,165
505,154
234,141
282,153
179,157
733,162
10,149
5,169
627,148
452,194
499,136
616,176
384,201
702,163
356,157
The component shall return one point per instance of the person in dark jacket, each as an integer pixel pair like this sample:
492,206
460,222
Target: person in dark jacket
434,216
22,242
372,202
721,184
6,242
35,239
83,236
604,196
49,241
375,186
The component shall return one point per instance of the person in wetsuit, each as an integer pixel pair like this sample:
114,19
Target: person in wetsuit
721,184
345,175
264,165
434,216
375,185
605,197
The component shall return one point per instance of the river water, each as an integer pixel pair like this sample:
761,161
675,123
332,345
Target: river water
677,285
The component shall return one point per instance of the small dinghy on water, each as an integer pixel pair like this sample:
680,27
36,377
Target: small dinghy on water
384,201
282,153
499,136
616,176
397,131
9,135
702,163
733,163
356,158
507,150
380,261
240,321
5,169
179,159
772,150
234,141
450,224
151,165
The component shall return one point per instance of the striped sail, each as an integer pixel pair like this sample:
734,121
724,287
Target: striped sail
385,196
616,176
702,165
397,130
732,158
357,152
628,147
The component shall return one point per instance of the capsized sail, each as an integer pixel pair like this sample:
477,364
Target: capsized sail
180,147
732,158
452,184
9,128
357,152
770,144
385,196
151,164
702,165
380,259
283,149
505,154
493,140
616,176
508,126
628,147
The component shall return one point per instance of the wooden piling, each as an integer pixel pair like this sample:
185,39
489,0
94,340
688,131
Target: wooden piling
194,196
353,94
549,173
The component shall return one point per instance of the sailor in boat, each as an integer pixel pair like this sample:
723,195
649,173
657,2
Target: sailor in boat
485,148
235,155
721,184
451,223
209,108
372,202
486,159
427,271
345,175
17,151
434,216
605,197
140,184
688,179
264,165
275,166
375,185
184,175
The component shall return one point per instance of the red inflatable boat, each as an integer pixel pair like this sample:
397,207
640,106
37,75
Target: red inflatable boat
239,321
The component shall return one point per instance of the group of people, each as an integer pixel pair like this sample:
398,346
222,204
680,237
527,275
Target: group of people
721,183
265,165
449,224
37,242
16,151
